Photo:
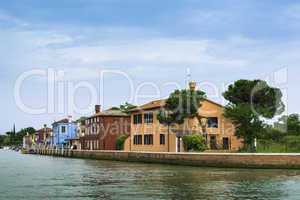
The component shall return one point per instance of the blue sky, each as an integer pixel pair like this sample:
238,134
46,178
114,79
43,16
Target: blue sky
151,41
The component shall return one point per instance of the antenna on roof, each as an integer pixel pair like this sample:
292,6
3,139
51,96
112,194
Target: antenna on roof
188,77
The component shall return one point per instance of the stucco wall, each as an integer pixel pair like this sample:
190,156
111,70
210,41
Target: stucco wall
154,128
208,109
237,160
61,138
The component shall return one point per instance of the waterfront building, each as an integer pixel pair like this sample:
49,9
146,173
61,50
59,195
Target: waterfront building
148,134
103,128
28,141
81,126
64,131
43,136
80,132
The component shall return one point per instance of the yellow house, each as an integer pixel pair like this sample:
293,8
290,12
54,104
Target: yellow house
148,134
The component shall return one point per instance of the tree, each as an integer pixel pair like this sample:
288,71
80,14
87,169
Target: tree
184,104
166,118
292,123
2,137
251,101
12,138
81,120
180,105
127,107
120,141
124,107
270,133
20,134
194,142
288,125
7,141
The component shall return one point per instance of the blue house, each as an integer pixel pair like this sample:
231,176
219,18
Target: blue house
63,132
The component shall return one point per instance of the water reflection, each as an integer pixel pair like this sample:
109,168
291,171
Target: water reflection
37,177
175,182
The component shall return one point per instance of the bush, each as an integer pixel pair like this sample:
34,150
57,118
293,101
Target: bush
194,142
120,142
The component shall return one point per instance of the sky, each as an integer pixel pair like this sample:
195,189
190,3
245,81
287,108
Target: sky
137,51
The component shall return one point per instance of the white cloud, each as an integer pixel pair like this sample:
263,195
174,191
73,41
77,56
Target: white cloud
155,52
156,58
143,57
53,39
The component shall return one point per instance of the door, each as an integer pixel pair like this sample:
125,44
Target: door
225,143
178,141
213,142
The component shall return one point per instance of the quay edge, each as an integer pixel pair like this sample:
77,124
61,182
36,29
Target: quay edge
221,160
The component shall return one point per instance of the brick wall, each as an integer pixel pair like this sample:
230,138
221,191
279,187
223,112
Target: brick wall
233,160
108,129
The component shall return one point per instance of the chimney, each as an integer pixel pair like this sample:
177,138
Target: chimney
97,109
192,85
70,118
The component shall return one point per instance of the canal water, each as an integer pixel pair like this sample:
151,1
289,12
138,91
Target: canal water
44,177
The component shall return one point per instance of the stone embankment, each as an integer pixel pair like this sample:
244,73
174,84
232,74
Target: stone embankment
231,160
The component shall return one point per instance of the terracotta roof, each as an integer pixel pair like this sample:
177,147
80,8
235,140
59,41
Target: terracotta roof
151,105
65,120
160,103
110,112
43,129
218,104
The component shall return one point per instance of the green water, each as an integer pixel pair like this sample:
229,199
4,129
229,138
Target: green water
42,177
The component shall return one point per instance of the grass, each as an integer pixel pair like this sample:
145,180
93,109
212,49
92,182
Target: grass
275,147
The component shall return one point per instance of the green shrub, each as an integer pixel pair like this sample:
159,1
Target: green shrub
120,142
194,142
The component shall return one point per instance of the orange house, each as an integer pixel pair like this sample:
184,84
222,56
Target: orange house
148,134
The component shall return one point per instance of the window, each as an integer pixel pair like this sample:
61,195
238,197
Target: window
63,129
162,139
137,139
148,139
137,119
212,122
148,118
91,145
95,145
